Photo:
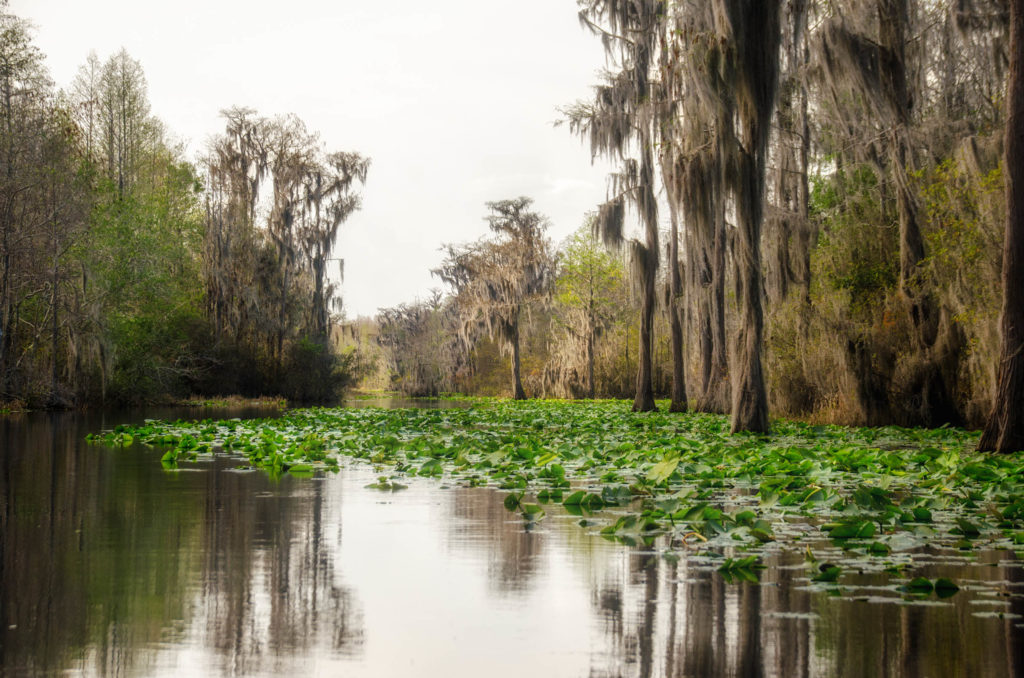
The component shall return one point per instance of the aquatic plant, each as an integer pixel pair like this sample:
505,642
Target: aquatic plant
870,494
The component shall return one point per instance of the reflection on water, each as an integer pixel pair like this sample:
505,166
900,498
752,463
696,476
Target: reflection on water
111,566
397,402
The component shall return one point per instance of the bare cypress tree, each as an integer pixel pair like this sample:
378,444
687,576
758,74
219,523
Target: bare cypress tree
1005,429
620,117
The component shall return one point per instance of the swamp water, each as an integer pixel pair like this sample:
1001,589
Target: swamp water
111,565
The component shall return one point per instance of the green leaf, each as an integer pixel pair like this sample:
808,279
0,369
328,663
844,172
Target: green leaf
827,574
574,499
920,585
662,470
967,528
945,588
532,512
877,548
858,529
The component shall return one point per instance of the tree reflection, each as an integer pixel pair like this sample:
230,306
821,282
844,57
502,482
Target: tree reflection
110,565
103,556
480,517
672,618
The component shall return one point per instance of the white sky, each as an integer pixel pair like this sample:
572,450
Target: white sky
453,100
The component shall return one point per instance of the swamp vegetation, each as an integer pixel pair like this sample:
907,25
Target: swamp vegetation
812,215
881,497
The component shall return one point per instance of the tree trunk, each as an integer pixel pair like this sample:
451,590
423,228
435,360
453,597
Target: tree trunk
7,226
590,363
517,385
644,399
55,326
648,208
715,395
678,403
756,36
937,402
5,314
1005,429
749,396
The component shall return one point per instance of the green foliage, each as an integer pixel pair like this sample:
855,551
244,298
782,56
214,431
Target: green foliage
963,227
857,249
590,297
588,276
141,255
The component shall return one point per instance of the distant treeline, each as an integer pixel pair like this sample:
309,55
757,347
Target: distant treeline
129,275
833,180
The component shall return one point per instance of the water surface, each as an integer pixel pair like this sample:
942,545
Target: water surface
111,565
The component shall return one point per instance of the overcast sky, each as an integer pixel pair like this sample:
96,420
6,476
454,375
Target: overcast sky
453,100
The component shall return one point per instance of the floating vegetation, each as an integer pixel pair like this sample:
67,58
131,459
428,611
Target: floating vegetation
863,498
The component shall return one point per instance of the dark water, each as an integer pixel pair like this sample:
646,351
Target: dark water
112,566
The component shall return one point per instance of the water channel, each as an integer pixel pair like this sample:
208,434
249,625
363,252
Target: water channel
112,566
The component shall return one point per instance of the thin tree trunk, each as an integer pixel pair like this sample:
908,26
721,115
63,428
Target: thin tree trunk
5,313
54,328
678,403
7,224
648,208
644,399
806,237
517,385
590,363
1005,429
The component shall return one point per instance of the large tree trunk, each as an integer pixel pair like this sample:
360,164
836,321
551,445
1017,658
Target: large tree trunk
678,403
755,36
749,396
1005,429
704,209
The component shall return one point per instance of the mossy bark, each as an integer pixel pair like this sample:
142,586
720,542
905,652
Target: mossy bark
1005,429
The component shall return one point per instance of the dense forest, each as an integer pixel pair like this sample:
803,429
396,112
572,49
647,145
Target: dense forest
129,274
821,200
807,219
